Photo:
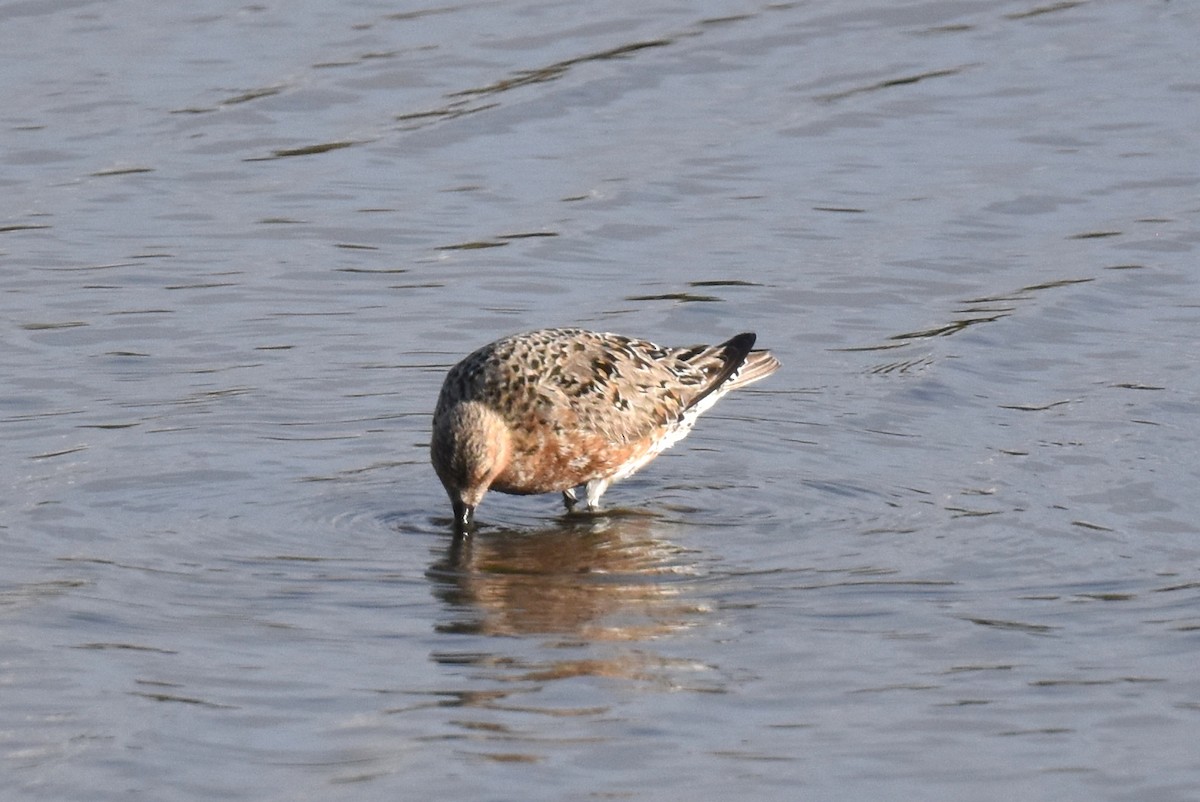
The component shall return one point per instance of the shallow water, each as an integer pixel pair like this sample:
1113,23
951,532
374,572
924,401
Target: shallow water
949,551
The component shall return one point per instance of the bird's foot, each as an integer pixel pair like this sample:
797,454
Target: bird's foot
570,499
595,489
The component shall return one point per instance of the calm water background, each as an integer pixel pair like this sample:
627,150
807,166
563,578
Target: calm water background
950,551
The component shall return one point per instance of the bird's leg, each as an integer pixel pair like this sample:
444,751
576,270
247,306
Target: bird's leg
595,489
569,499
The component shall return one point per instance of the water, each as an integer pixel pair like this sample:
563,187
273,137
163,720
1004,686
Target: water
948,552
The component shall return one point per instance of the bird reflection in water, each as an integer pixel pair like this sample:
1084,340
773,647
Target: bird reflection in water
584,582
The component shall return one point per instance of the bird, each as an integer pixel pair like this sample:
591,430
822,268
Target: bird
557,409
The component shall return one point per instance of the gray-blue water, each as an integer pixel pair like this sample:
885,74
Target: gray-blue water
950,551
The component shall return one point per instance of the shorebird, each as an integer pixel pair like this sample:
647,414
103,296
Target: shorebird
556,409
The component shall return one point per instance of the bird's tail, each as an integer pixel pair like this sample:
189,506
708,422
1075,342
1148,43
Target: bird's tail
758,365
731,364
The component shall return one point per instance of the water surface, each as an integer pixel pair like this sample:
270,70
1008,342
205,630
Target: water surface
949,551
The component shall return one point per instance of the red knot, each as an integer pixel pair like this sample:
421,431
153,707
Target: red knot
555,409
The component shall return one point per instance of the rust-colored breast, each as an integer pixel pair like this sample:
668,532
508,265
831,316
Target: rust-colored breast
547,463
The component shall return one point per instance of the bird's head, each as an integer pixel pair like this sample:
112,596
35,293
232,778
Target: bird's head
471,446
